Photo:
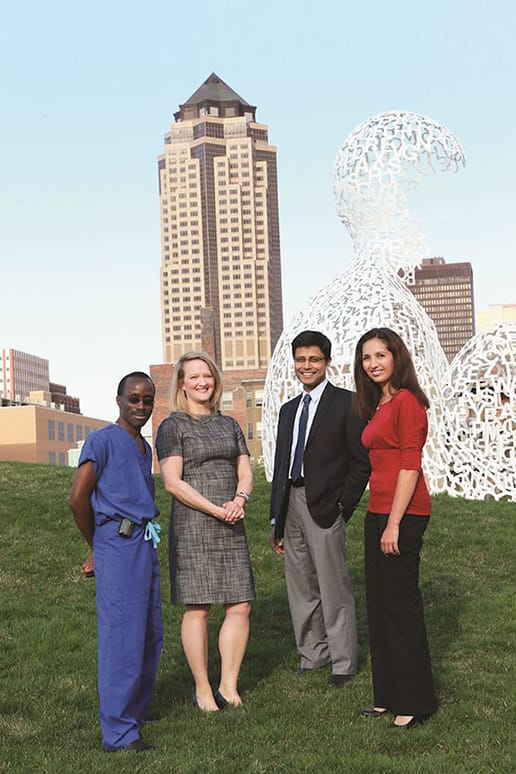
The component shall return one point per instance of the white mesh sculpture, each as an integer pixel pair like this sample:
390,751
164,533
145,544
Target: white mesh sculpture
471,447
381,162
479,421
364,297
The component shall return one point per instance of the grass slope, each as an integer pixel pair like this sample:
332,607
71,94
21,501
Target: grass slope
48,705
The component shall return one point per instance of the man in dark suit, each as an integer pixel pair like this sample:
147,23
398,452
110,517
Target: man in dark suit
320,472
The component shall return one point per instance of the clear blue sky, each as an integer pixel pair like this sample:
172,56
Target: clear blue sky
89,89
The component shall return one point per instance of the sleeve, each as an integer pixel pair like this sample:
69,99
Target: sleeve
412,423
358,471
169,439
276,500
94,450
240,440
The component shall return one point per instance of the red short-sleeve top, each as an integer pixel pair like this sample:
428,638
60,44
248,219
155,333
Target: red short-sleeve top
395,437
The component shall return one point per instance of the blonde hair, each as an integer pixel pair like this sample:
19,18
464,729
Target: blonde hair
178,401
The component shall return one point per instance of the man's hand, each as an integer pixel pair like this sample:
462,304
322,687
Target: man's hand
276,544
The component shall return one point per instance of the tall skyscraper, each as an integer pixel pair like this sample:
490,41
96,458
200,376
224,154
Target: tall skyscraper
220,270
445,291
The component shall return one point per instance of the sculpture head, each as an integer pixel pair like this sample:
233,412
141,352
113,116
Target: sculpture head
381,161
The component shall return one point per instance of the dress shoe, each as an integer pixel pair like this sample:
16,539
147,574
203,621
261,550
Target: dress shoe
417,720
339,681
220,701
373,713
195,702
138,745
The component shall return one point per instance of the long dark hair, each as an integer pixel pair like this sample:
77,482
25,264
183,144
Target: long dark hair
368,393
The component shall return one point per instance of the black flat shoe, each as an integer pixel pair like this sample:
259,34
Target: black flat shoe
417,720
138,745
220,701
340,681
373,713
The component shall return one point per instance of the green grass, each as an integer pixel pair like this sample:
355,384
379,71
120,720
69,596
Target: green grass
48,703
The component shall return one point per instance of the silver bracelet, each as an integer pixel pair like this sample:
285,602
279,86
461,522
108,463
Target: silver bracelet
246,496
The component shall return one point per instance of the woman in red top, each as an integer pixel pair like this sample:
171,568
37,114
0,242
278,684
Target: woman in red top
389,396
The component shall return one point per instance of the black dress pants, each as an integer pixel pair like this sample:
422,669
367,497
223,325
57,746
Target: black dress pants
400,659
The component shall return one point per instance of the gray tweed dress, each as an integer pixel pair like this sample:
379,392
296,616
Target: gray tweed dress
208,559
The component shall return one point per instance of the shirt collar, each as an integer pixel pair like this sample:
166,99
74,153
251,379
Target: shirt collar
316,393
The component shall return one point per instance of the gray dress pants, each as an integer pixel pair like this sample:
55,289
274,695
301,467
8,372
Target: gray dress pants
319,590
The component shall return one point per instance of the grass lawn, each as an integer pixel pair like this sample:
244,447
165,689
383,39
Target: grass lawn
48,702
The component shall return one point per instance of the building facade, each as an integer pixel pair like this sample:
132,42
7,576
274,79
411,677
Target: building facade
20,374
34,433
24,379
445,291
495,313
220,244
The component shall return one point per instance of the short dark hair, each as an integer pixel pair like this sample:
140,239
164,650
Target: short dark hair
133,375
404,375
312,339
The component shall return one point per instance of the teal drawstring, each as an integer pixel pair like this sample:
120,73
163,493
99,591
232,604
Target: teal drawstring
152,531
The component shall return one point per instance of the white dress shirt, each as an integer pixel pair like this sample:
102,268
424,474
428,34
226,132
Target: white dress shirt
315,396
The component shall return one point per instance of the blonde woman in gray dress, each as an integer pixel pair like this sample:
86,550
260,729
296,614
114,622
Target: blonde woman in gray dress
205,466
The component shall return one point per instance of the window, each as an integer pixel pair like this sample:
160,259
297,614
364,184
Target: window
258,396
60,431
62,460
78,432
227,401
248,399
52,454
52,435
250,433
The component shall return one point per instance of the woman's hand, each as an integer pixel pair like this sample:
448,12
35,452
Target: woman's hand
233,511
389,540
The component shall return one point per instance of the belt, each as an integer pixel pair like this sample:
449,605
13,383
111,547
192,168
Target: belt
298,482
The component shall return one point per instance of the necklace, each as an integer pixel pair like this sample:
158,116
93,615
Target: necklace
383,400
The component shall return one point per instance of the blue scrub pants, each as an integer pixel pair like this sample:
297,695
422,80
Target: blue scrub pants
130,632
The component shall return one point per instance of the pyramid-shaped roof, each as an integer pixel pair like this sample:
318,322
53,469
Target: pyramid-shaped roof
214,89
214,93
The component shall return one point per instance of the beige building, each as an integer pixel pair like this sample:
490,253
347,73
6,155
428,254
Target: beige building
40,434
496,313
220,270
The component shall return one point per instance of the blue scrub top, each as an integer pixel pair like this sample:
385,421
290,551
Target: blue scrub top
125,487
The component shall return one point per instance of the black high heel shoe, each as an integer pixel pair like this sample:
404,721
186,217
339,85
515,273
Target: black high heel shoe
195,702
220,701
417,720
373,713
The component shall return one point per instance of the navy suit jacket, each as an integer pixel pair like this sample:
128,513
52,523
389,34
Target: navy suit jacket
336,465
